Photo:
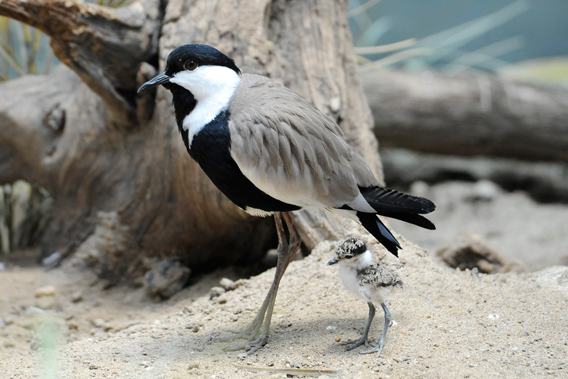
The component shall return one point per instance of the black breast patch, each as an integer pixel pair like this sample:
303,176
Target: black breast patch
211,149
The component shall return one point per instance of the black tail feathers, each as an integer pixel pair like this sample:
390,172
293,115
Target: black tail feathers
375,226
384,199
390,203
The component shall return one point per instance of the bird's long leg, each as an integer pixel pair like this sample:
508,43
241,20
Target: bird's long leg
365,337
257,332
379,347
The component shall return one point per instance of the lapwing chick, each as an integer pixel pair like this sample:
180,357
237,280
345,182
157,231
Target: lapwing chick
366,280
271,152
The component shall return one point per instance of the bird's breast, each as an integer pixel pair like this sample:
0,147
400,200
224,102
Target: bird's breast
211,149
348,276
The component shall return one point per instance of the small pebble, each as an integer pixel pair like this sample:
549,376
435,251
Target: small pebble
73,325
45,291
98,322
486,190
227,284
76,297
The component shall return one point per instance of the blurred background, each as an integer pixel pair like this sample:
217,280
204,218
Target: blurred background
456,36
515,209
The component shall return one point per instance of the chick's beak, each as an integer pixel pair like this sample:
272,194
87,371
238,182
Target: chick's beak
160,79
332,261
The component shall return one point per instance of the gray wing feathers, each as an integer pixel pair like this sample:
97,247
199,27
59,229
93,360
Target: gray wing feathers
290,150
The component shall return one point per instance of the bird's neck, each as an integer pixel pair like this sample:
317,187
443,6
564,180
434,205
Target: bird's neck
211,89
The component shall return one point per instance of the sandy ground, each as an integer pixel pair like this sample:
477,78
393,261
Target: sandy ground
513,224
448,324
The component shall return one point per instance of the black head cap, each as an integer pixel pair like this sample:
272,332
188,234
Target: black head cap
203,55
187,56
348,249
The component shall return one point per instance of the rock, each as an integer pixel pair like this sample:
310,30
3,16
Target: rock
166,278
76,297
469,251
227,284
215,292
485,190
45,291
98,322
73,325
9,344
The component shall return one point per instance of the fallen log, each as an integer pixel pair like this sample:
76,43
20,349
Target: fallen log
468,114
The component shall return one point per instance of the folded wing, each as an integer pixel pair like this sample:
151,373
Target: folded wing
291,150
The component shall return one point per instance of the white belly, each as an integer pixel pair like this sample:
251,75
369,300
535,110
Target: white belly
348,276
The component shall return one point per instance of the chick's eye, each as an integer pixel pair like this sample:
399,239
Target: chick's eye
190,65
349,256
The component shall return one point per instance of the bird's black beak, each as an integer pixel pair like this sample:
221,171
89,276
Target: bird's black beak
333,261
160,79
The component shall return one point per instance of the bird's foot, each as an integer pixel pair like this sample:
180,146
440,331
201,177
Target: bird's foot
378,348
356,343
252,333
251,346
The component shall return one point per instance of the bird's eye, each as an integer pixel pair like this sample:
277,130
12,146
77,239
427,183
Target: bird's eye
349,256
190,65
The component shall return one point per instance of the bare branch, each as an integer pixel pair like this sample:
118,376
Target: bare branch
104,46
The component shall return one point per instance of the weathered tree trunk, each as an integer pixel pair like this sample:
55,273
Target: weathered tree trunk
123,184
468,114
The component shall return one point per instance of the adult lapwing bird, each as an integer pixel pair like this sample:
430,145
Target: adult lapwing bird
272,152
368,281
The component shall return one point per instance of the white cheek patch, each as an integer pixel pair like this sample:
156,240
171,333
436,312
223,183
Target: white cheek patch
213,87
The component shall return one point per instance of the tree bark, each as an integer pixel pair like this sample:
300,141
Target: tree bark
468,114
123,184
